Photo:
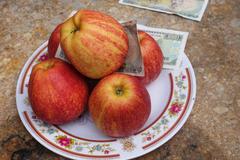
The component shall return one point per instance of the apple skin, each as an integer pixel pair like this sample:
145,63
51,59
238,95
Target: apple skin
54,41
95,43
119,105
57,92
152,57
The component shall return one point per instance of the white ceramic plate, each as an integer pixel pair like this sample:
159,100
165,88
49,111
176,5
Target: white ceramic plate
172,97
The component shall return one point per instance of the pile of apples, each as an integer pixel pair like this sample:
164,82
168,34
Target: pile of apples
96,46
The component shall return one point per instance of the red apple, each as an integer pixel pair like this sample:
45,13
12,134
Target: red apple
95,43
57,93
119,105
54,41
152,57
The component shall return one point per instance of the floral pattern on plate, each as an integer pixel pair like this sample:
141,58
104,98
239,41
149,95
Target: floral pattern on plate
174,110
127,144
69,142
42,57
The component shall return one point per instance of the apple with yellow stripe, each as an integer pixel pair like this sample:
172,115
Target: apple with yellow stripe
119,105
94,42
57,92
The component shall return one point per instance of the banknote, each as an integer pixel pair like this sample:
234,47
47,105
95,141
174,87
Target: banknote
190,9
60,54
172,44
133,64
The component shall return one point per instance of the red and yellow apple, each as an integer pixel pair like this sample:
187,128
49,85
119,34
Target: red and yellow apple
152,57
54,41
57,92
119,105
95,43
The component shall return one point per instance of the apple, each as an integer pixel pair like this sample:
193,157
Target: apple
95,43
54,41
57,92
119,105
152,57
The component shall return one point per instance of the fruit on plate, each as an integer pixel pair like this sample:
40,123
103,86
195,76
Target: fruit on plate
57,92
119,105
152,57
54,41
95,43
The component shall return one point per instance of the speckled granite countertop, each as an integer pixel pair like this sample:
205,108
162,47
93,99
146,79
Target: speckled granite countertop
213,128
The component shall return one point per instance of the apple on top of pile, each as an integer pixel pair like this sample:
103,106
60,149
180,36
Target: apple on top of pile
96,46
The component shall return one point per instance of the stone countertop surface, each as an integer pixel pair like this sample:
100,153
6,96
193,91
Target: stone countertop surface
213,128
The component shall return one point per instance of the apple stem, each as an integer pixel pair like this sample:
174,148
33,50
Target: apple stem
73,31
119,91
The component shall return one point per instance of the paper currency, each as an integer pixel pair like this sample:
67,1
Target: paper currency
60,54
190,9
172,44
133,64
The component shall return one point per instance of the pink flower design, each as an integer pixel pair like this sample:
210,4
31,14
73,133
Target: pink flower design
183,77
149,138
175,108
65,141
106,151
43,58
